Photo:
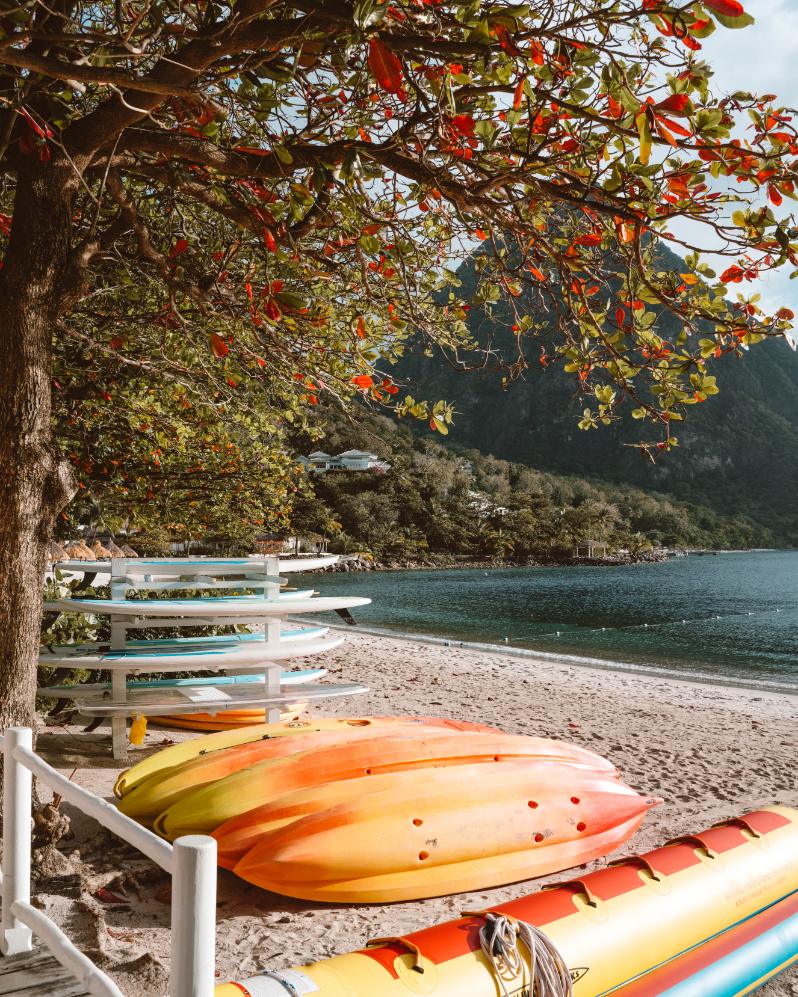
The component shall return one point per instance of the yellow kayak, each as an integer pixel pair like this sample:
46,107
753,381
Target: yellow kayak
177,754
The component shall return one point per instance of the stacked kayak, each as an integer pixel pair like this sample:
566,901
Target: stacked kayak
175,755
369,814
711,915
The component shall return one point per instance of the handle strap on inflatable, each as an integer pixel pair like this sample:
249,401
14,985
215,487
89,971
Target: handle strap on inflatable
697,841
499,937
579,884
418,964
642,863
741,822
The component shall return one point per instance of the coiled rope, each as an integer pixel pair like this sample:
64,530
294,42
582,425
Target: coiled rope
499,937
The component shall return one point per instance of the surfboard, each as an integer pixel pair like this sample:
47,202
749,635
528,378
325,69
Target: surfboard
215,608
210,643
207,699
76,691
174,567
197,658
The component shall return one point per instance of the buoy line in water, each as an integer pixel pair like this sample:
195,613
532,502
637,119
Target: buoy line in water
579,631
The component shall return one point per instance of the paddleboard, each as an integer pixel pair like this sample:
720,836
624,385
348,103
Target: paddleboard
79,689
197,658
175,567
207,699
221,607
211,642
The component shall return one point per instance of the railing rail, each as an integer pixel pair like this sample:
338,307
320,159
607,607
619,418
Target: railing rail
191,860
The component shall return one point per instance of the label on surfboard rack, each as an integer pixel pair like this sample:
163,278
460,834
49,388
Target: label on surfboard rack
278,984
203,694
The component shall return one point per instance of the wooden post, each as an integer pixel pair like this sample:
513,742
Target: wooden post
193,917
119,629
17,783
272,628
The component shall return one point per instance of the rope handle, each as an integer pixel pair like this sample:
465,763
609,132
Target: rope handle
697,841
578,884
642,863
743,823
418,958
499,938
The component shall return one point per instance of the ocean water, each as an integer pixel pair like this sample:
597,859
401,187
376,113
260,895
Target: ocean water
725,616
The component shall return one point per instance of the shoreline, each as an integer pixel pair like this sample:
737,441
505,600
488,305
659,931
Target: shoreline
551,657
364,563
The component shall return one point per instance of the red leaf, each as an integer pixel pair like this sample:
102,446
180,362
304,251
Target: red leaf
506,42
219,347
774,196
518,95
385,67
731,8
677,103
361,327
463,123
363,381
179,247
269,240
733,275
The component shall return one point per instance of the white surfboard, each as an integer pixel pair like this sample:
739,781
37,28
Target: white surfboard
207,699
164,659
174,567
83,688
212,608
209,643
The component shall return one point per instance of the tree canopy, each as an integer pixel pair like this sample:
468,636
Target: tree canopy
239,206
285,185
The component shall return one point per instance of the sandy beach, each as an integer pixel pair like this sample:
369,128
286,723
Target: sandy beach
711,752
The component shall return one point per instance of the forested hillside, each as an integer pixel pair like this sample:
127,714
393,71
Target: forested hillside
738,452
435,505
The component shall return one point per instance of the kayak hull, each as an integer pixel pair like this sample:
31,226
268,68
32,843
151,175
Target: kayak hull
398,837
205,809
177,754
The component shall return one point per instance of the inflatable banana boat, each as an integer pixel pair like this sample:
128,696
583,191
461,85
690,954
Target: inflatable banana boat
709,915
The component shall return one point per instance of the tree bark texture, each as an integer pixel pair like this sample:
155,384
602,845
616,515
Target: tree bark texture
34,486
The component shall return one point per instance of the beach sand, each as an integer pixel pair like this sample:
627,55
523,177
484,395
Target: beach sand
711,752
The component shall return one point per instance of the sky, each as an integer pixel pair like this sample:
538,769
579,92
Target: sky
762,59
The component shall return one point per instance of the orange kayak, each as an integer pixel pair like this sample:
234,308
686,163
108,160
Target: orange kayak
236,837
166,786
204,809
455,829
177,754
228,720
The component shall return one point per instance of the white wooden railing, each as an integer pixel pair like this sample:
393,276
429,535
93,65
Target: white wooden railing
191,861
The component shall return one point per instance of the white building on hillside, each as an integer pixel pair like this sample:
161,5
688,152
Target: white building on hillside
350,460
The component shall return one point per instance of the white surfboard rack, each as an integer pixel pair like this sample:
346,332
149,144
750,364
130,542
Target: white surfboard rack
267,608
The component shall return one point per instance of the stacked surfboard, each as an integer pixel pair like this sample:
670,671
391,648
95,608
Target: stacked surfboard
248,683
377,810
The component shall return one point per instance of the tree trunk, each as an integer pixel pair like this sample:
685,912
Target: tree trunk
34,486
